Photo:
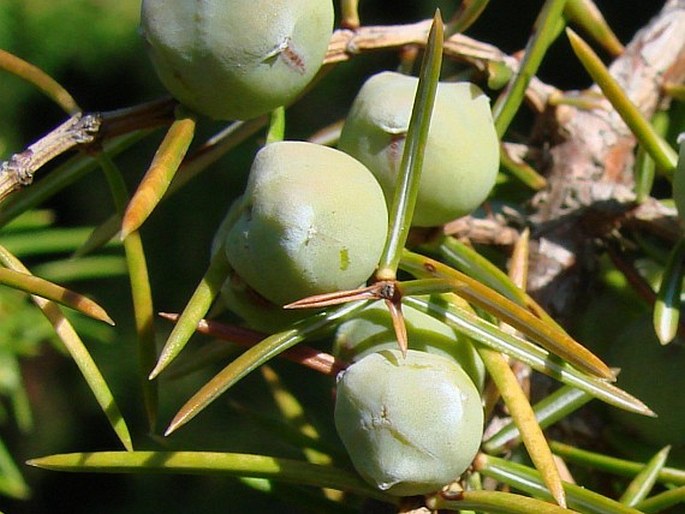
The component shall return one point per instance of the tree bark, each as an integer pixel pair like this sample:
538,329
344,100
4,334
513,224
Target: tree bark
590,176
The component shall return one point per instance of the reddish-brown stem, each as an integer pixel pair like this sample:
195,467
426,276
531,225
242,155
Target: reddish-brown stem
301,354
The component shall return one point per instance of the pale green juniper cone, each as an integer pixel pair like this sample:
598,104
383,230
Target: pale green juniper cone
462,152
236,59
257,312
312,220
371,330
655,374
412,424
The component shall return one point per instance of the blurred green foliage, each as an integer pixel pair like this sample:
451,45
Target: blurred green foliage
82,43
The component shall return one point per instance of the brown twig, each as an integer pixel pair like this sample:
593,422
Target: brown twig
346,44
19,169
301,354
80,131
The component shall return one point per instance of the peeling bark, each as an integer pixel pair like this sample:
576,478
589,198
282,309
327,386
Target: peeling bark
590,180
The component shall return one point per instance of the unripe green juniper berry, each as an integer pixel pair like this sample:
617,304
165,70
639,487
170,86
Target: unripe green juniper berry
462,152
236,59
312,220
371,330
410,424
